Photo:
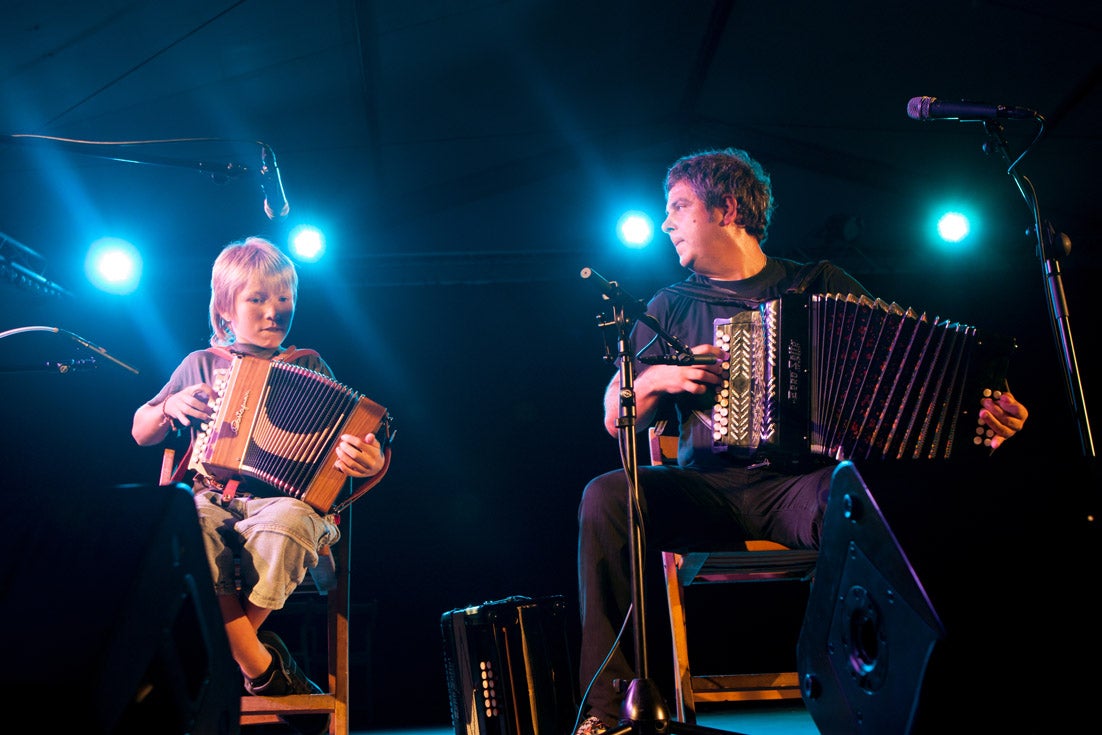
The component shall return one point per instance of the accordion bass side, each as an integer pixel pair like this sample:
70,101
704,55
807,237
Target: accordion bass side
280,423
850,377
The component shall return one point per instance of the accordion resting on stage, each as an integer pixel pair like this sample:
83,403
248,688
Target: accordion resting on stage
852,378
508,667
280,423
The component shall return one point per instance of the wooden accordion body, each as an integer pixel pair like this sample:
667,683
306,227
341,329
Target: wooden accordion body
280,423
850,377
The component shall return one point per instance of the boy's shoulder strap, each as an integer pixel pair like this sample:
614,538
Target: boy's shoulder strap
221,351
288,354
293,352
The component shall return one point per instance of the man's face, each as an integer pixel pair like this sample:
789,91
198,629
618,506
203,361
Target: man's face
694,230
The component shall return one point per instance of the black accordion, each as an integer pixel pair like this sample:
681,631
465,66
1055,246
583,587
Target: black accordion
508,667
280,423
849,377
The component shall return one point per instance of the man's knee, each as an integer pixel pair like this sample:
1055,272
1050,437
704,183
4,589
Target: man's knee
603,496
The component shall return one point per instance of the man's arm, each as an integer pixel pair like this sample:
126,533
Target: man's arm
654,383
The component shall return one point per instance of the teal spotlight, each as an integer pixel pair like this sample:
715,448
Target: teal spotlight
113,265
953,227
635,229
307,244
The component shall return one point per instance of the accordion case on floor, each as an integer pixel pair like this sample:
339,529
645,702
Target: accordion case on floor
508,667
849,377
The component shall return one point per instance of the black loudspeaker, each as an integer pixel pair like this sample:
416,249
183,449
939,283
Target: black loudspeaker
109,615
954,598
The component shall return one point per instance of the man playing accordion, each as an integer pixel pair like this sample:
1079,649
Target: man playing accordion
718,209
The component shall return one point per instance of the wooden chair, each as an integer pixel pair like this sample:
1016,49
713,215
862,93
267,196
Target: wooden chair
331,578
755,561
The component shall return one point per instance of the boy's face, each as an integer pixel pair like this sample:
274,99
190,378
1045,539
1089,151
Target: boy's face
262,312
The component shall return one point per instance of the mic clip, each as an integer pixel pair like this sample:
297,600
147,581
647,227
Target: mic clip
682,358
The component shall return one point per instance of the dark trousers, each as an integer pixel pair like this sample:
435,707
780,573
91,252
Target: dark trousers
680,510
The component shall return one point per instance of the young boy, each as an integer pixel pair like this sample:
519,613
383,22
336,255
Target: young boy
254,288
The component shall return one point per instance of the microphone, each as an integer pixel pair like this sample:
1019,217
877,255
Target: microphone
275,200
633,307
931,108
611,291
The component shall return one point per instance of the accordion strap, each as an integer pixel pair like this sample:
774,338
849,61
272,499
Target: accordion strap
180,472
715,294
367,485
806,275
288,354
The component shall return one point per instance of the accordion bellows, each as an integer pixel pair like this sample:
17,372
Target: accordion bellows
850,377
280,423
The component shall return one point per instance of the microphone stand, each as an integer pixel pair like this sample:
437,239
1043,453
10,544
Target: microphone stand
1054,289
72,365
643,711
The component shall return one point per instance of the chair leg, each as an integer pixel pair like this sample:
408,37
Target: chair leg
335,700
685,705
338,650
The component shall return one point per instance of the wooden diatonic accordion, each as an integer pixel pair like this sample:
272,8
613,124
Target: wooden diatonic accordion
280,423
850,377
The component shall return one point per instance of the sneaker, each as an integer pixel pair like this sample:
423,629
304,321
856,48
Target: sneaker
592,726
283,678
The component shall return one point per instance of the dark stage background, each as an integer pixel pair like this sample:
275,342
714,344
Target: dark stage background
465,161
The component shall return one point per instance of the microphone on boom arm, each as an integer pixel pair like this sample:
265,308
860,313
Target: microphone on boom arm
931,108
275,199
636,309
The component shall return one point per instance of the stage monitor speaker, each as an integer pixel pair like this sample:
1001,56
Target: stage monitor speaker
110,617
870,627
971,612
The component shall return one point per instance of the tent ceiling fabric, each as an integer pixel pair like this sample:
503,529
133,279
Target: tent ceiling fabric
457,128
